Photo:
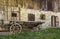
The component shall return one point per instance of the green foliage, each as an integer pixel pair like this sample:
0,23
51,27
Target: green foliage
41,34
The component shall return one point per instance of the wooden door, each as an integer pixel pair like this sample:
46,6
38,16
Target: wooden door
54,21
57,21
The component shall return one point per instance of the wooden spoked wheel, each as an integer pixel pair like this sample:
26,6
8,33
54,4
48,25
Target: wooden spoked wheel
16,28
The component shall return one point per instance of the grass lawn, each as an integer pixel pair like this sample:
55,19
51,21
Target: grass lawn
42,34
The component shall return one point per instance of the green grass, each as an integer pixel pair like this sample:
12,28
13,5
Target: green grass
41,34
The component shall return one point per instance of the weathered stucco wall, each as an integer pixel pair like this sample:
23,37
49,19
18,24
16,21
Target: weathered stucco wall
23,15
8,13
37,13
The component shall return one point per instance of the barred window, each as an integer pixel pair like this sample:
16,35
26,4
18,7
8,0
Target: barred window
14,15
31,17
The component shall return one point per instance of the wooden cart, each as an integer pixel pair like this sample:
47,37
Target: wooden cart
14,19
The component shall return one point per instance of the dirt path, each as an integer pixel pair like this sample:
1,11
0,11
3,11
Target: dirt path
4,33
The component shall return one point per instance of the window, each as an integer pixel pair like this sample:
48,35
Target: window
42,16
31,17
46,5
49,5
14,14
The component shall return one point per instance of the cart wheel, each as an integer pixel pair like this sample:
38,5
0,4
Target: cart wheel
16,28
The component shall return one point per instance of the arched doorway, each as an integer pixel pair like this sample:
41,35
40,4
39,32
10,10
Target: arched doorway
54,21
